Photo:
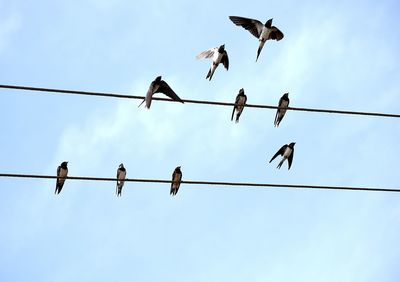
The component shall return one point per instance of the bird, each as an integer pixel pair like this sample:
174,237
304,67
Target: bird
280,113
263,32
287,152
121,174
62,172
218,55
241,99
176,181
159,86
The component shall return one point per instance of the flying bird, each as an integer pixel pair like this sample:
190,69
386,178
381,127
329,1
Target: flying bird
280,113
62,172
121,174
241,99
217,55
263,32
287,152
176,181
159,86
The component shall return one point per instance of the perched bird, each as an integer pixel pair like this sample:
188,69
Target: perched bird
263,32
280,113
121,174
159,86
241,99
287,152
176,181
62,172
218,55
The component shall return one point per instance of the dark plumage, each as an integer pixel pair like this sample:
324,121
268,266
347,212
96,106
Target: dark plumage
263,32
62,172
159,86
240,102
176,181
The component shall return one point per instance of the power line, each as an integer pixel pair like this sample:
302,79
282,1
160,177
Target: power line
204,102
213,183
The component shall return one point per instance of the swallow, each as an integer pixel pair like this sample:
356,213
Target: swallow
159,86
241,99
217,55
280,113
263,32
62,172
287,152
121,174
176,181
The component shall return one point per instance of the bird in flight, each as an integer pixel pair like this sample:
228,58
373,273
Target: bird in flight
287,152
121,174
62,172
263,32
176,181
280,113
241,99
159,86
217,55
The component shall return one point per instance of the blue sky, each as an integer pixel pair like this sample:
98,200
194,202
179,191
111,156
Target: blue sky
335,54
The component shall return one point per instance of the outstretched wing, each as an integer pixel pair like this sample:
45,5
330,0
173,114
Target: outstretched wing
254,26
225,60
275,34
207,53
167,90
290,158
280,152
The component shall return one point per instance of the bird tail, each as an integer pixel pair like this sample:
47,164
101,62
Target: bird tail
142,102
233,113
237,117
211,72
259,49
280,163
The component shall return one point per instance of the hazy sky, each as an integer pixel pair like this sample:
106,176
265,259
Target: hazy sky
335,54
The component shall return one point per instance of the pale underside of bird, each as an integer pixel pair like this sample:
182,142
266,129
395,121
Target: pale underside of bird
263,32
240,102
287,152
121,174
217,55
62,172
159,86
176,181
283,105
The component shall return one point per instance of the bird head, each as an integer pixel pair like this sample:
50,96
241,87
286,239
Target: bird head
121,165
291,145
241,91
286,95
178,168
64,164
221,48
268,23
158,78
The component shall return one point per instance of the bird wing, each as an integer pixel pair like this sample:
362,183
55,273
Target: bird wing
207,53
225,60
254,26
277,111
234,107
167,90
280,152
118,174
275,34
58,174
290,158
